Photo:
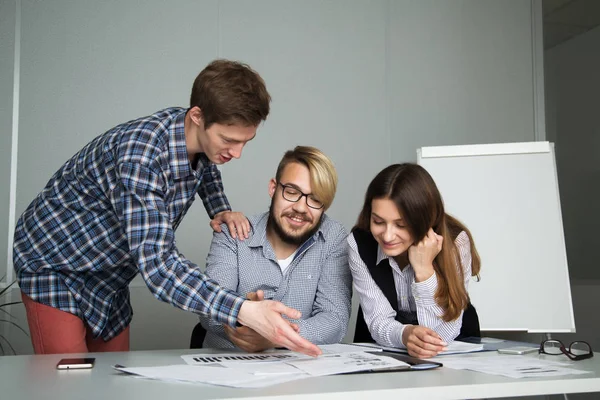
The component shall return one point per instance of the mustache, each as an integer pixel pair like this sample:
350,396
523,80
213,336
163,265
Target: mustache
302,216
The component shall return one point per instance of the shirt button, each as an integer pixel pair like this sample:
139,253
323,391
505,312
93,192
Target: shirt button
309,277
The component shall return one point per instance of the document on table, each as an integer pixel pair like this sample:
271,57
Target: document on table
455,347
512,366
244,372
327,364
331,364
458,347
207,359
212,375
262,368
272,355
346,348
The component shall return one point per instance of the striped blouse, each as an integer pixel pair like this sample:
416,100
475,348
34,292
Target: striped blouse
412,296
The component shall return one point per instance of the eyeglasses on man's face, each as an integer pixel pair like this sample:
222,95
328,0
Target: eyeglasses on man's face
576,351
290,193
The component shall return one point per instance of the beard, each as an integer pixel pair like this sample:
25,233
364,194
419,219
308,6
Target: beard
287,237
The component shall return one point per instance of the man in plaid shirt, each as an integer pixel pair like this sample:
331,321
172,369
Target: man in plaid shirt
112,209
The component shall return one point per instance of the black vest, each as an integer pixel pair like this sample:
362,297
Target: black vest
383,276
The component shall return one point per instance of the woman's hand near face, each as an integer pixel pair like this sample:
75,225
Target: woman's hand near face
422,254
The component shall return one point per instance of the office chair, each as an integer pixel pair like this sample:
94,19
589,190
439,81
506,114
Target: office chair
198,335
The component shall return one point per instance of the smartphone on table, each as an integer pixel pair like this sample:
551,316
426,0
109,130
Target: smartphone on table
75,363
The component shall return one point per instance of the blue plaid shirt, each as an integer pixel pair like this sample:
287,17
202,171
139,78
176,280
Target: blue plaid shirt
110,212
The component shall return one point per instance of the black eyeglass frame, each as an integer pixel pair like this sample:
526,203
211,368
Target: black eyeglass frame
567,351
302,194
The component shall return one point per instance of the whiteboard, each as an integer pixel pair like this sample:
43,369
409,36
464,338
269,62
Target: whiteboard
507,195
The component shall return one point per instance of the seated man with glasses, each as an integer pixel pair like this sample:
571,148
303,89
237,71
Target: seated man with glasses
295,254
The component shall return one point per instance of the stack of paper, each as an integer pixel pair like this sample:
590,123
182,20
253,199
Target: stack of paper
272,355
213,375
458,347
512,366
265,369
330,364
455,347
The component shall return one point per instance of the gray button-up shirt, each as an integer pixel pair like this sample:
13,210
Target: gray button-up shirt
317,282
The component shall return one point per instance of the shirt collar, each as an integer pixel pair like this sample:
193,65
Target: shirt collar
178,157
259,231
382,256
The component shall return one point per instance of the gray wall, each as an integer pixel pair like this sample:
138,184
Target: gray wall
7,51
367,82
573,83
573,122
460,72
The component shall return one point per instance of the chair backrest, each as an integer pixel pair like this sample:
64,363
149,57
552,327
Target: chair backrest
198,334
470,323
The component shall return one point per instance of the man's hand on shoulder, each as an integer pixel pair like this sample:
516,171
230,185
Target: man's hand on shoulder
236,222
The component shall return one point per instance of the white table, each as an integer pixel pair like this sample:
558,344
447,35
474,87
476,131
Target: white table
35,377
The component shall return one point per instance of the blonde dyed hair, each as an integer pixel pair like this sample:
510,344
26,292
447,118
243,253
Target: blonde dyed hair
323,177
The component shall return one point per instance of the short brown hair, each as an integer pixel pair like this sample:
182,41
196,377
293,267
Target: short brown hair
230,92
323,177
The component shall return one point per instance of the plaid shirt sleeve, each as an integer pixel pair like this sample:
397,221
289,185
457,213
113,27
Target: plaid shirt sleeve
332,304
211,192
222,266
139,203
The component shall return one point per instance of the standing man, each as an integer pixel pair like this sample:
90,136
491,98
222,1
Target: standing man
111,211
296,254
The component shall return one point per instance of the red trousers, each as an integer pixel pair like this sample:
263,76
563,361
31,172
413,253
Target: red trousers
54,331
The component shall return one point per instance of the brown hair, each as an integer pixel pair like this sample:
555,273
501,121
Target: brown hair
323,177
419,202
229,92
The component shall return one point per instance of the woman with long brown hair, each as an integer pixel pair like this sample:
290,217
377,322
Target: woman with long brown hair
411,264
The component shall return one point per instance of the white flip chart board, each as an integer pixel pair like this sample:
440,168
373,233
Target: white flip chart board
507,195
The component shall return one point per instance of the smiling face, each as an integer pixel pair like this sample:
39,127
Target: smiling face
388,228
293,222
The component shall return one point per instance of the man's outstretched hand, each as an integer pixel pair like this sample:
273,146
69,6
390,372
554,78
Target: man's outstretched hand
265,318
247,338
